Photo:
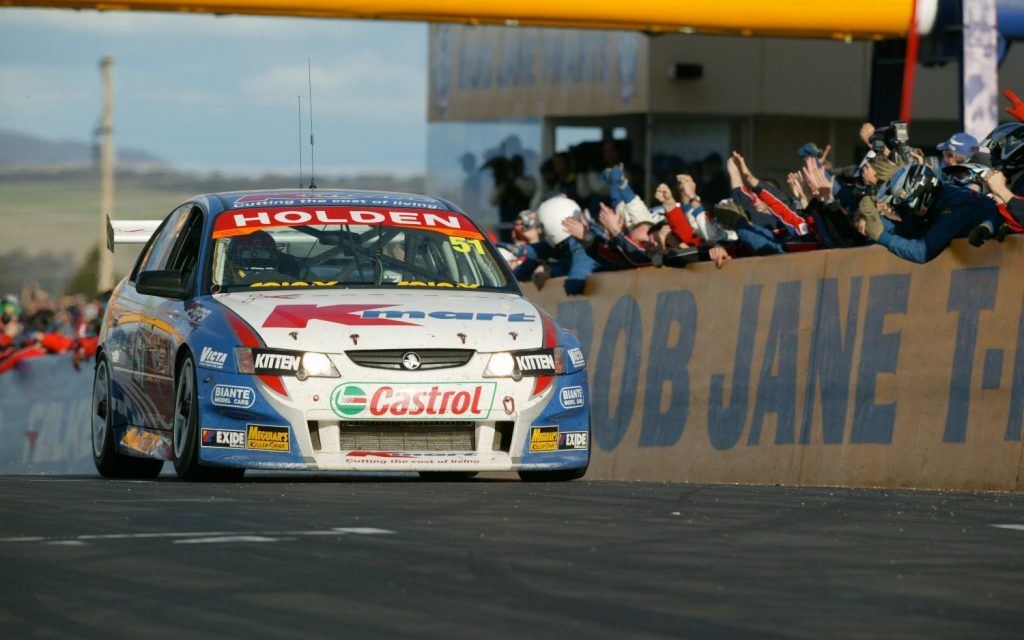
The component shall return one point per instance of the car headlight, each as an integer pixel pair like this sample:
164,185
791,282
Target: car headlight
502,365
515,365
316,365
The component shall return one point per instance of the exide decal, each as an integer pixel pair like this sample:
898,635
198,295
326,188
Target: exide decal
226,438
412,401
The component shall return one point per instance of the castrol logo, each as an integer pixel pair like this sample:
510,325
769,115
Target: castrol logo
404,401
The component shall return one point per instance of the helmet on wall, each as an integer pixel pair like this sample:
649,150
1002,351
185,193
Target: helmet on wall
1005,146
912,190
552,212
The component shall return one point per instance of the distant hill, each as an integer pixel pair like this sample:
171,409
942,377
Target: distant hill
20,149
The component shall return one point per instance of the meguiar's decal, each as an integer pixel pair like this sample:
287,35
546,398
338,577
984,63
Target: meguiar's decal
261,438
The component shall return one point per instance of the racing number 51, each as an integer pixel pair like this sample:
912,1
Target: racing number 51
464,245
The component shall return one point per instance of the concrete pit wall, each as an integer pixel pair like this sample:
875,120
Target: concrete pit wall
845,367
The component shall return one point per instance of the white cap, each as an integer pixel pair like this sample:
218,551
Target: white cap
552,212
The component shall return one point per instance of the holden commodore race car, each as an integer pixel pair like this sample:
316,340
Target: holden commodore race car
331,330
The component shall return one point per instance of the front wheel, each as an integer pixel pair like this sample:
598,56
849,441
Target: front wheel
185,431
109,462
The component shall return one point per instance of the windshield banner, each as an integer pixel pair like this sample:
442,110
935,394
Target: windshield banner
244,221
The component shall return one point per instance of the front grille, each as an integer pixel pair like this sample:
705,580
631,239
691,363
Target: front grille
407,436
392,358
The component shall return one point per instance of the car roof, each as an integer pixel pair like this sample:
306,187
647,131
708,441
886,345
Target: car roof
329,197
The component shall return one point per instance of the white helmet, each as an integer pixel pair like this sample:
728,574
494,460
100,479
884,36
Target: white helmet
551,212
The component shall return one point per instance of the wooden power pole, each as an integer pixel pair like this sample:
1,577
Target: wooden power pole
105,267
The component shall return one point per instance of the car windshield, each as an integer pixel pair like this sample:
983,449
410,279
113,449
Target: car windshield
322,247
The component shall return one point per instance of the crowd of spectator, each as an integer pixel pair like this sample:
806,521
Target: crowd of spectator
35,324
582,220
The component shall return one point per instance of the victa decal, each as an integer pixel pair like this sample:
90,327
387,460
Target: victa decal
576,356
213,359
261,438
536,363
224,438
572,440
544,439
226,395
442,401
571,397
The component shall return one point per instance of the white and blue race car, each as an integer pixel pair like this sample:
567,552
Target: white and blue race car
331,330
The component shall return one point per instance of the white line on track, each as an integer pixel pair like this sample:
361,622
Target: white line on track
186,537
225,539
1018,527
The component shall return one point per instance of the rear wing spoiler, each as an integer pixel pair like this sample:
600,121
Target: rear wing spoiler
129,231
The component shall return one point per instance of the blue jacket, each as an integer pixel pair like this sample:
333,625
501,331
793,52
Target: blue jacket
955,212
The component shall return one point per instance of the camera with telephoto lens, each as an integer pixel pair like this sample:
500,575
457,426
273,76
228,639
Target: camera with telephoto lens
894,138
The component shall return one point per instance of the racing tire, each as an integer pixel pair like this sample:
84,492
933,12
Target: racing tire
109,462
561,475
444,476
185,431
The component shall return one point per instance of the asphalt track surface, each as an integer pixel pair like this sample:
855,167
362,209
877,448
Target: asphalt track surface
337,557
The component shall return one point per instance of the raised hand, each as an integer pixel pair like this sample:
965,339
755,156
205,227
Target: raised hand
663,194
611,220
687,187
576,227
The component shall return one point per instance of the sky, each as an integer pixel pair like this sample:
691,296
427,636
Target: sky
221,93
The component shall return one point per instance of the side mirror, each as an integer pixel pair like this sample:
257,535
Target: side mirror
166,284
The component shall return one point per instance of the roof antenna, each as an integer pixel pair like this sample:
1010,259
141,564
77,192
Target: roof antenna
300,140
312,162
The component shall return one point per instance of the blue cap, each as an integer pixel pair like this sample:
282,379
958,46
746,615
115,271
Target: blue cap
963,143
810,150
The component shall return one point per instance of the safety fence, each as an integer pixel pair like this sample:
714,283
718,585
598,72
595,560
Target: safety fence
845,367
45,417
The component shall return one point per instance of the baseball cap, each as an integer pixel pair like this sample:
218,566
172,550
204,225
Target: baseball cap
962,143
809,150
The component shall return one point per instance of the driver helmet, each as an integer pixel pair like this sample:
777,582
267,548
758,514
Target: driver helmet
256,251
912,190
1005,146
552,212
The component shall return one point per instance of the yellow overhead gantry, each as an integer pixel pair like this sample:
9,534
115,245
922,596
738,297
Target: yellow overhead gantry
844,19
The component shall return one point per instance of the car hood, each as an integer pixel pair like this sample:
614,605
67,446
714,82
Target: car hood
336,320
